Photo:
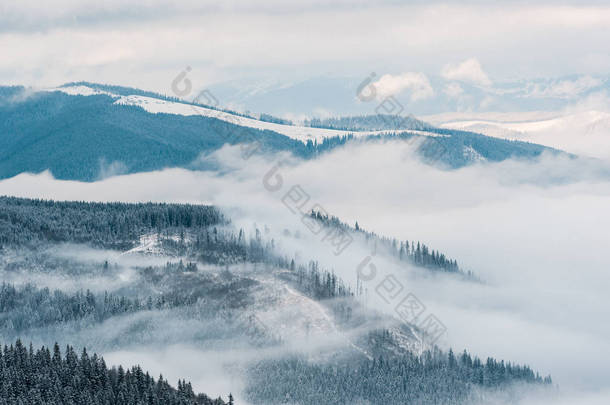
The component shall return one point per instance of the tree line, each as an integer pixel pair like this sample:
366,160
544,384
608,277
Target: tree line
435,377
45,376
108,225
26,307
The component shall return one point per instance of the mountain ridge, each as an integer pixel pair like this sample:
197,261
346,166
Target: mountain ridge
97,128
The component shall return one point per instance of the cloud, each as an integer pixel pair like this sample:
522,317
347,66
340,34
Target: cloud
565,89
453,90
417,84
148,45
469,71
111,169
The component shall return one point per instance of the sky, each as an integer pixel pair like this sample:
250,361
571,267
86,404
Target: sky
148,44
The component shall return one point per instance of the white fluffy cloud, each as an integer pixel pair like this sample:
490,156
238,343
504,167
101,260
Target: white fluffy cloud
416,84
469,71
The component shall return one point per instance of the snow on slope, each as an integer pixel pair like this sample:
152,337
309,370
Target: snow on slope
584,133
293,314
304,134
472,155
156,105
81,91
287,313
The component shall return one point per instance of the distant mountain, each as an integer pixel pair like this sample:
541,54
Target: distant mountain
585,132
336,95
83,131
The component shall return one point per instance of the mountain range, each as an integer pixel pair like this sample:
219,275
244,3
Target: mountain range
419,94
85,131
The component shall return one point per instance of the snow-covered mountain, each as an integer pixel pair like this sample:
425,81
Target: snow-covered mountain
158,105
420,95
105,130
584,133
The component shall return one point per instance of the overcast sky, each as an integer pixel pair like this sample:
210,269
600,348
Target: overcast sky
145,46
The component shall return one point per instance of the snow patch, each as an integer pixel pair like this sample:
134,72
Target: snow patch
81,91
585,133
304,134
293,314
149,245
471,155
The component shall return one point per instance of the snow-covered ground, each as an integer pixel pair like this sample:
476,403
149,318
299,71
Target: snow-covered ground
584,133
293,315
156,105
149,245
472,155
81,91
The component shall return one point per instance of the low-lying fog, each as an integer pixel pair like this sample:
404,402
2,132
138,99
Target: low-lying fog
536,233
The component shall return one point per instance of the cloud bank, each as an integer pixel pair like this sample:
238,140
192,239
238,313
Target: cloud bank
148,44
533,231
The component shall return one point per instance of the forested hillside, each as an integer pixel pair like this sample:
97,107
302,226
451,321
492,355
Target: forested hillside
96,134
408,251
182,275
120,225
44,377
369,123
93,131
112,225
432,378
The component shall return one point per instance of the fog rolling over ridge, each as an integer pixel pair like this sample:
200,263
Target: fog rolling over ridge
250,311
526,275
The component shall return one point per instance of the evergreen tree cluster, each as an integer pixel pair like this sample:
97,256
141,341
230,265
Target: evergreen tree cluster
197,231
455,148
43,377
26,307
275,120
319,284
112,225
434,377
375,122
423,256
412,252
